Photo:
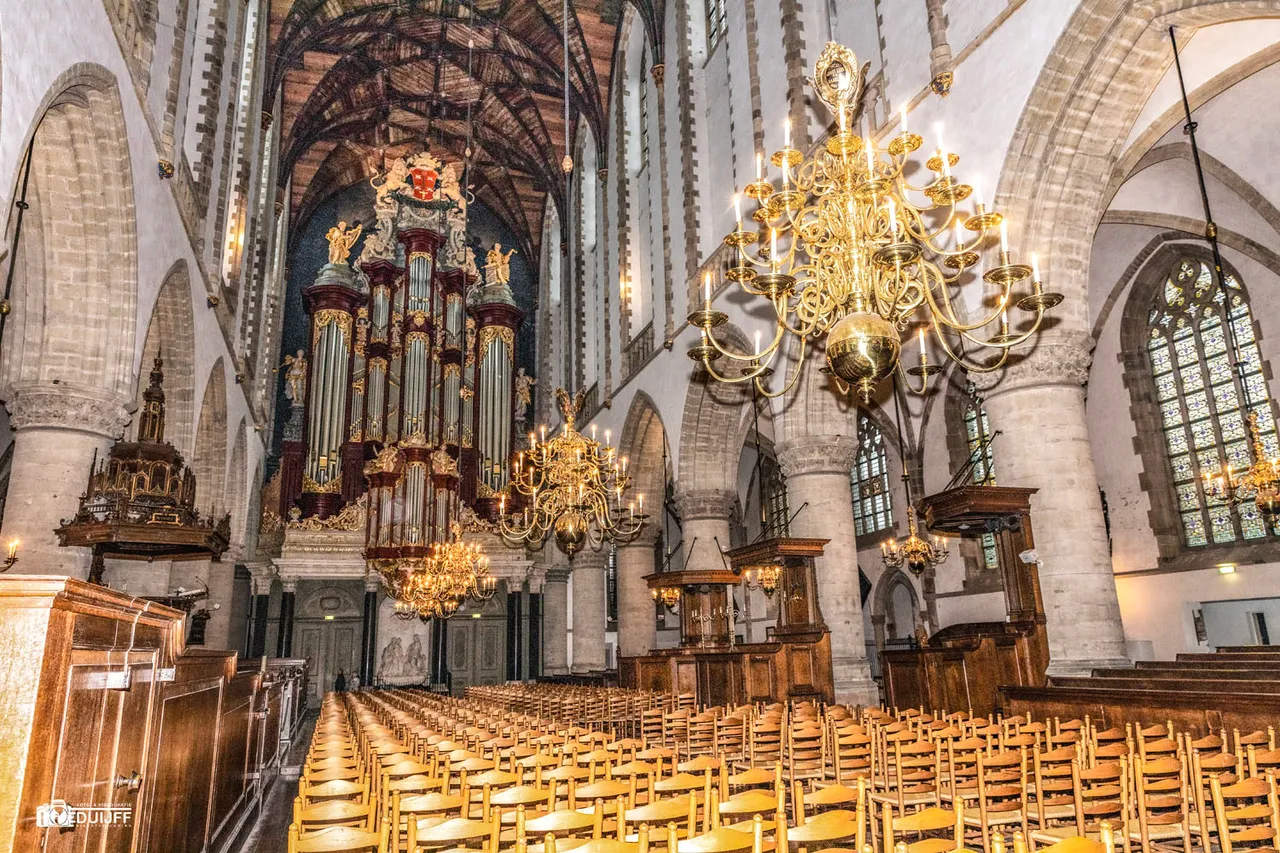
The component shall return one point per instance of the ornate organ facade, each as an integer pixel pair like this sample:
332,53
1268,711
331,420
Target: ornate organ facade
404,400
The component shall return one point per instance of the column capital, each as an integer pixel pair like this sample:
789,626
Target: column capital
262,573
817,454
556,574
372,583
44,405
1055,358
290,584
705,503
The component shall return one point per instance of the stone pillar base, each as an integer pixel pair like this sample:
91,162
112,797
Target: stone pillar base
864,692
1073,668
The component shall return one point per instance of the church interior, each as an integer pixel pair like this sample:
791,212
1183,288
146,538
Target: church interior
715,426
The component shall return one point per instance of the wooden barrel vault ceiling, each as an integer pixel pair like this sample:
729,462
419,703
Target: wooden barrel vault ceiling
364,79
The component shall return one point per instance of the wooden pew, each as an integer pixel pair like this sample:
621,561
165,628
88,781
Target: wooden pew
102,706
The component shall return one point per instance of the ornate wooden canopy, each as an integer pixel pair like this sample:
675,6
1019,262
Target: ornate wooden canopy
364,78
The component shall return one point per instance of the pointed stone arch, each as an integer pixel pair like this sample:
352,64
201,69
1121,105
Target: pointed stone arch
1055,182
209,462
171,336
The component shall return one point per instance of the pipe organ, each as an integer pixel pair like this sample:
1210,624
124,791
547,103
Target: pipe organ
410,390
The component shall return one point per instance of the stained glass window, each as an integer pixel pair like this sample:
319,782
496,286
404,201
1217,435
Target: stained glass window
978,436
1201,396
872,504
775,497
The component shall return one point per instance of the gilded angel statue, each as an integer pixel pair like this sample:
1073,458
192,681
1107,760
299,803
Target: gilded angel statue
341,239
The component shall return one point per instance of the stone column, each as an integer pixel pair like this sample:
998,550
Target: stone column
60,428
1038,405
369,631
635,604
284,637
555,622
589,610
704,522
817,471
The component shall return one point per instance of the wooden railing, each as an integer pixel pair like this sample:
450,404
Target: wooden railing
639,350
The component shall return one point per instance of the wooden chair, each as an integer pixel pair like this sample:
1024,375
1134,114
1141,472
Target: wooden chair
1002,794
1160,802
927,820
453,834
917,776
564,829
1247,813
415,807
336,789
1054,785
662,813
1223,766
331,813
337,839
1101,795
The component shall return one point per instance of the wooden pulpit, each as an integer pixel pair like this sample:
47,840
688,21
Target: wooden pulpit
962,667
795,662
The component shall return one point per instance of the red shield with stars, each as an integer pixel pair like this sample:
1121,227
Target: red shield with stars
424,183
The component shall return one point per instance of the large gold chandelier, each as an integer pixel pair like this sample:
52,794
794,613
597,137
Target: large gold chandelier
850,248
436,586
572,486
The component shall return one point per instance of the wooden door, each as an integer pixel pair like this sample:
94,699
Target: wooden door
328,645
477,651
102,747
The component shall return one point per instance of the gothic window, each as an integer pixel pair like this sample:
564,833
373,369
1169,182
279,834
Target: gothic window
977,429
775,497
872,506
717,23
644,112
1203,401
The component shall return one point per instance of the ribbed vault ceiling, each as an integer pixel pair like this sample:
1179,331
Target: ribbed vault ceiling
362,78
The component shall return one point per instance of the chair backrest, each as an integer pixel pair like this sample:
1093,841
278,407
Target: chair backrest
1247,812
336,839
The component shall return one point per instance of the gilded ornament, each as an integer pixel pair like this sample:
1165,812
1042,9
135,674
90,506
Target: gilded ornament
488,334
443,463
352,517
333,486
421,256
325,316
388,461
497,267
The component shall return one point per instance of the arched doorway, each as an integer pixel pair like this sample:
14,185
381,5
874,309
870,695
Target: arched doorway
326,631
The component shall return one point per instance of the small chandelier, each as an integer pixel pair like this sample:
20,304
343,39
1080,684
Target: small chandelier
1260,482
571,486
764,577
915,552
669,596
850,249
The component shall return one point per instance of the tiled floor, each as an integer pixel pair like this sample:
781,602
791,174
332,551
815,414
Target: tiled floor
270,833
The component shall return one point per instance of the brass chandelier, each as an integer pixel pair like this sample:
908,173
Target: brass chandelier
763,577
915,552
572,486
849,248
436,586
